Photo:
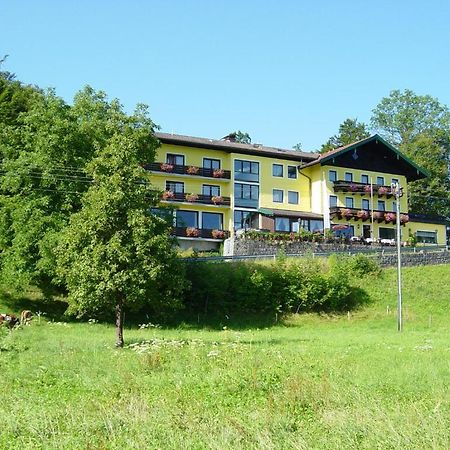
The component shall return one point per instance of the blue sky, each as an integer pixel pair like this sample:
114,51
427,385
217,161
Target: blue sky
284,71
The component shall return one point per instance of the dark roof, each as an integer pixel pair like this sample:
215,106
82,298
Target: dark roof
405,166
236,147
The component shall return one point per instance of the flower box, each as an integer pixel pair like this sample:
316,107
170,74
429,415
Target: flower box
382,190
165,167
192,232
217,199
192,170
218,173
347,213
218,234
367,188
191,197
390,217
353,188
363,214
378,215
404,218
168,195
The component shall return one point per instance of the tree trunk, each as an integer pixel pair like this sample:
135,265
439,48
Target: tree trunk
119,324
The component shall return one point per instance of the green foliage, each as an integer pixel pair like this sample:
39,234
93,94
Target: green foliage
298,147
349,131
420,126
241,137
306,284
114,253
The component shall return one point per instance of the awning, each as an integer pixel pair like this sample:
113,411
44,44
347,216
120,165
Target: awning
289,213
266,212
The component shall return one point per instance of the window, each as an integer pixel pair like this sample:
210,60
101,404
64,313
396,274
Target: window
365,179
282,224
394,180
246,170
293,197
211,221
333,201
381,205
332,175
210,190
186,218
349,202
164,213
292,171
380,181
277,170
175,186
394,206
212,164
176,160
277,195
316,225
386,233
365,204
348,176
245,219
426,237
246,195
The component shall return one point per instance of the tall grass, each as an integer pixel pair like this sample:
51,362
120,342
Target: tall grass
316,381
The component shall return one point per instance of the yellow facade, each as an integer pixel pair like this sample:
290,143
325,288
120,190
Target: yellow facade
310,194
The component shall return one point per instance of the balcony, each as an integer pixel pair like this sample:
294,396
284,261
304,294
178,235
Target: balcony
353,187
217,200
365,215
194,171
202,233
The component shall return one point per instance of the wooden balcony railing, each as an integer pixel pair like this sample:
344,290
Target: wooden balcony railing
353,187
366,215
204,233
217,200
218,174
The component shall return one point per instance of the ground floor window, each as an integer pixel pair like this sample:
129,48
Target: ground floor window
426,237
212,221
245,219
186,218
386,233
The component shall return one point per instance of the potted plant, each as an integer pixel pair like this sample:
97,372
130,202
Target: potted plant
218,173
168,195
347,213
166,167
390,217
191,197
382,190
367,188
363,214
217,199
378,215
192,232
192,170
404,218
353,188
218,234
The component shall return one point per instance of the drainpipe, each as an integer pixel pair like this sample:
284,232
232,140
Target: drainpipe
299,168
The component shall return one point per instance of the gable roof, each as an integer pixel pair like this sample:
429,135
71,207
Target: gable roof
407,167
236,147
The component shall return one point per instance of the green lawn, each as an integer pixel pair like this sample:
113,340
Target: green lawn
315,382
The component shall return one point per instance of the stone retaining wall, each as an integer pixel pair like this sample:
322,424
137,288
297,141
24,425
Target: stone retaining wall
386,256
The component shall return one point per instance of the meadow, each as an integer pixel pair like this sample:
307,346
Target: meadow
311,381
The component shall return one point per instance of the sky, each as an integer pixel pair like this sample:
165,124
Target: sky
283,71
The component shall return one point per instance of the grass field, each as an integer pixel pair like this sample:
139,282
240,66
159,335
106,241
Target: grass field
350,382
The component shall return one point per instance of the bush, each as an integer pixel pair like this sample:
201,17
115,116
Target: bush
307,284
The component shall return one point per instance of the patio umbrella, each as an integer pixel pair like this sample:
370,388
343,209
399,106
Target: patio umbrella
339,226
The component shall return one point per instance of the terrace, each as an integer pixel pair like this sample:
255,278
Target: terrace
204,233
217,200
354,187
365,215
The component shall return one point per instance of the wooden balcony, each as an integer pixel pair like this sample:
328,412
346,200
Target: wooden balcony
352,187
218,174
217,200
200,233
366,215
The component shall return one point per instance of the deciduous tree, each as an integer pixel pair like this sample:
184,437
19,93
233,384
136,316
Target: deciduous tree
349,131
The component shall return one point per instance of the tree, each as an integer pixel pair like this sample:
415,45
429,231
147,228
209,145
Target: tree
349,131
115,254
239,136
420,127
297,147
